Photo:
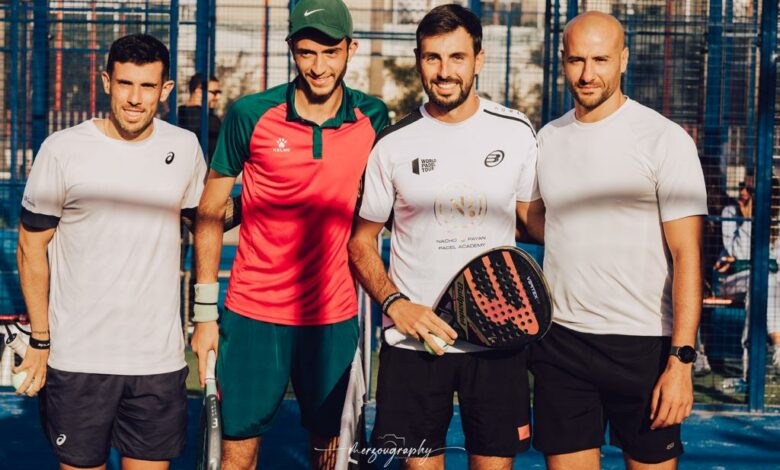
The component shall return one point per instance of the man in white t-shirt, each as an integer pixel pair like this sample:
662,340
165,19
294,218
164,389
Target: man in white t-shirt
452,177
104,201
624,196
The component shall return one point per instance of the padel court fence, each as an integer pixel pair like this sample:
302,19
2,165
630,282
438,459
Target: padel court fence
706,64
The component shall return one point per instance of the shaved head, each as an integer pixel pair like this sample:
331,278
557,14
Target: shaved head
605,27
594,57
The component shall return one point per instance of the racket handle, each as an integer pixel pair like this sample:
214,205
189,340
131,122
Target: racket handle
211,365
16,344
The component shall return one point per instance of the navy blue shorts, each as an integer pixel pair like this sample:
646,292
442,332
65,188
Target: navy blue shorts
143,417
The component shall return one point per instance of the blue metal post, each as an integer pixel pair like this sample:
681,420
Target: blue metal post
173,42
202,50
555,54
712,151
750,119
40,73
213,37
508,59
548,79
24,79
759,243
476,7
627,82
572,10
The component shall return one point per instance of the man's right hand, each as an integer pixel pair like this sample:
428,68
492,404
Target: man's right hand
419,322
204,339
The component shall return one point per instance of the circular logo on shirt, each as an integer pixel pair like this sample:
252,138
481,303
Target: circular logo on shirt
494,158
459,206
169,158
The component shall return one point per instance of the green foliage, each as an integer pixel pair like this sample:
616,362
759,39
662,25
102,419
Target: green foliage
408,82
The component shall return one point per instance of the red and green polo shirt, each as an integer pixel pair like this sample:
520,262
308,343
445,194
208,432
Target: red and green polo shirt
300,185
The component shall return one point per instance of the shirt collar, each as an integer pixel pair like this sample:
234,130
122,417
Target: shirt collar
345,113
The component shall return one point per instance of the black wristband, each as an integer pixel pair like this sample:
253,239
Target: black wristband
40,343
391,299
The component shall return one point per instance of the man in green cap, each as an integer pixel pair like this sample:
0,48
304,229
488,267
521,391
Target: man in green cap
291,306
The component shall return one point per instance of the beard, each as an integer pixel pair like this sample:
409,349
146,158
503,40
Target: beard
591,102
317,96
451,102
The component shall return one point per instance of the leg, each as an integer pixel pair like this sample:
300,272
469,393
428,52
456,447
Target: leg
482,462
64,401
253,369
589,459
631,464
494,406
135,464
414,406
320,375
241,454
425,463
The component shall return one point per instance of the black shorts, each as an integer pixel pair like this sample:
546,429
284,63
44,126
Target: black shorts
415,401
144,417
582,382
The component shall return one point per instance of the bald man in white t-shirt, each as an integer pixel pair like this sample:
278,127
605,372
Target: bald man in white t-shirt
624,195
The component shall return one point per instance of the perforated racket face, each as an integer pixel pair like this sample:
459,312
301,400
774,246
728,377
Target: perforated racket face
500,300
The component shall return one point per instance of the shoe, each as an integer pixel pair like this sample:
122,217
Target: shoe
733,385
701,366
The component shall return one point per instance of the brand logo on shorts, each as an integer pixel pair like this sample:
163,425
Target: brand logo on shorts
169,158
281,145
61,439
494,158
423,165
670,446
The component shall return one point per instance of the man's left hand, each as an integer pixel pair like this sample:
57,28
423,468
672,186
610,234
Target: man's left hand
672,399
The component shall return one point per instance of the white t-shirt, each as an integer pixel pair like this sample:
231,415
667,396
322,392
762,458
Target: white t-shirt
115,255
608,187
453,192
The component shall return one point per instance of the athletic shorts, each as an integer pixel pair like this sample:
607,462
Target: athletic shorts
582,382
415,402
258,359
144,417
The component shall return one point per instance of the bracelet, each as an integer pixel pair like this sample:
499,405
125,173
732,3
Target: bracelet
391,299
40,343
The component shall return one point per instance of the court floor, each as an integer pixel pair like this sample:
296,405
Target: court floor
712,441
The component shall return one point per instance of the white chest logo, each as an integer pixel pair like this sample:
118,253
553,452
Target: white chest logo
61,439
281,145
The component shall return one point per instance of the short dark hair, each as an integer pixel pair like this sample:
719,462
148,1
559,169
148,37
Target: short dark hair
446,19
139,49
196,81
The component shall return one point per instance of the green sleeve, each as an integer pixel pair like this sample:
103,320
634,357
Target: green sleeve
232,149
376,110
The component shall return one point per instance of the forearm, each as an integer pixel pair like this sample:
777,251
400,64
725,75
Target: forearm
34,279
369,268
208,244
686,298
231,219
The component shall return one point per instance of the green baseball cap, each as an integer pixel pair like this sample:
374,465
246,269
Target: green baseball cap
330,17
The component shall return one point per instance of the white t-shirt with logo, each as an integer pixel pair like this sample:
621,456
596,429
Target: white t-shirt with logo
607,187
115,255
453,192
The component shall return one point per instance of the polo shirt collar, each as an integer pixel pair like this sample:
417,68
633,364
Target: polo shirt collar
345,113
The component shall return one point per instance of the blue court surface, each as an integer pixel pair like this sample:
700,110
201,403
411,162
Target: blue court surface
712,441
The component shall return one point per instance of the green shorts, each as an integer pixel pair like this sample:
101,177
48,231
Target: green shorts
257,360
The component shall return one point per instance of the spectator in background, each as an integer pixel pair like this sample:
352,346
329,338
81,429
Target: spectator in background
734,265
190,113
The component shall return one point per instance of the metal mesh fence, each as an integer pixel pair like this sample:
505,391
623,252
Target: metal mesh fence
695,61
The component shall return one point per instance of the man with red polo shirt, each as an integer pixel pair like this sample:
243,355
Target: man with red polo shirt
291,304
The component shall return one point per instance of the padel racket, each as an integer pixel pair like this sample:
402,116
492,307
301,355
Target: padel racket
210,452
499,300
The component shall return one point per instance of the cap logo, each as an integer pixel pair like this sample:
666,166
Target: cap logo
307,12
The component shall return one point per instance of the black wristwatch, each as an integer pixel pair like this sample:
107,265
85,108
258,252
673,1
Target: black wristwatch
686,354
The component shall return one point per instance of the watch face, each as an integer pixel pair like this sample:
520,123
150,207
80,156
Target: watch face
686,354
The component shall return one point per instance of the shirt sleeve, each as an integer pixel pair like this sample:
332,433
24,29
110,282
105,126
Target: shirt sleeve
44,193
232,148
378,190
680,180
197,181
527,189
